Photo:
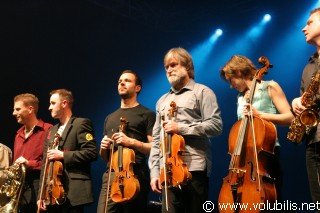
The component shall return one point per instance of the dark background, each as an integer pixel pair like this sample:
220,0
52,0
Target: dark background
83,45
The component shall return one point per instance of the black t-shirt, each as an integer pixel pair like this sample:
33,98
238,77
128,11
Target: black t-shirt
140,124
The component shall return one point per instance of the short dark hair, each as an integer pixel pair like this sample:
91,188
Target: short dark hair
64,95
138,80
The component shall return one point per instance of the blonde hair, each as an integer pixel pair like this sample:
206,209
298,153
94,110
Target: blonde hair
28,99
184,58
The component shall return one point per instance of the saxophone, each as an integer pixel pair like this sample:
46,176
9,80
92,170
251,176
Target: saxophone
15,176
309,118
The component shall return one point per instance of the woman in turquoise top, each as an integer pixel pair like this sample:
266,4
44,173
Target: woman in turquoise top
269,102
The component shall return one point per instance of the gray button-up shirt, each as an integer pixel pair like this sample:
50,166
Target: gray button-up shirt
199,119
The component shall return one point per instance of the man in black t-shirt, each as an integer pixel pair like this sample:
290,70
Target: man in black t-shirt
130,126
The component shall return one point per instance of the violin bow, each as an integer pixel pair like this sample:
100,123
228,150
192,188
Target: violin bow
109,176
164,165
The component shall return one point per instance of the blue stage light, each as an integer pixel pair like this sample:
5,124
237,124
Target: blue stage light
267,18
215,36
219,32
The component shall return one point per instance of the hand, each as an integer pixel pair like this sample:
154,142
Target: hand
21,160
297,106
54,154
156,185
170,126
106,142
41,205
121,138
247,108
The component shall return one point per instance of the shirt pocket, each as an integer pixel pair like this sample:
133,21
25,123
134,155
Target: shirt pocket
188,107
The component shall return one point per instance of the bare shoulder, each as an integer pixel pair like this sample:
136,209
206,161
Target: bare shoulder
274,85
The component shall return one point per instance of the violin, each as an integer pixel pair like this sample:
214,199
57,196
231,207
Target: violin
125,185
52,191
251,145
174,172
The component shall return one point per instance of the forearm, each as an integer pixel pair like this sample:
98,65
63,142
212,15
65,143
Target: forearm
278,119
140,146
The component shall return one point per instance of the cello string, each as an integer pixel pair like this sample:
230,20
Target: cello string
237,150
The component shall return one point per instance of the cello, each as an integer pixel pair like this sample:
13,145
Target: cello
248,184
52,191
125,185
174,172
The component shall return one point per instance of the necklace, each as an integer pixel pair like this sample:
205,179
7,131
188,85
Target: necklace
27,132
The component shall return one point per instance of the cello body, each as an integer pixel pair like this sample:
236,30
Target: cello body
244,186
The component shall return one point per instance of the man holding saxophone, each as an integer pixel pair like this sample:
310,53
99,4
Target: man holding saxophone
309,80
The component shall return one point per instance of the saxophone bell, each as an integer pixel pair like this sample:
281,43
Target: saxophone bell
309,117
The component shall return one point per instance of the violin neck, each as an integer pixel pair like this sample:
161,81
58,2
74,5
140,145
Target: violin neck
120,157
169,144
50,170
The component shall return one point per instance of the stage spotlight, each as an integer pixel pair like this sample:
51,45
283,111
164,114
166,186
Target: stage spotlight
219,32
215,36
266,18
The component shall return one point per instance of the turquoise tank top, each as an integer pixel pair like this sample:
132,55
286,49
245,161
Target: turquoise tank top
262,102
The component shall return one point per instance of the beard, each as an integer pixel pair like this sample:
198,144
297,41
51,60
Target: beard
174,80
125,95
177,79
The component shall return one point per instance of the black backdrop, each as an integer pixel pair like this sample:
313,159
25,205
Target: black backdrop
83,45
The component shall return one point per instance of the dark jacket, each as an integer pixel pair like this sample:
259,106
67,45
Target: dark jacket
80,149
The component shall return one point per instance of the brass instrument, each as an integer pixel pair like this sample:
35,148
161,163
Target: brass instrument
309,118
15,177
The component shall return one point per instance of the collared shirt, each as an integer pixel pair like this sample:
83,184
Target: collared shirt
31,148
199,119
5,157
